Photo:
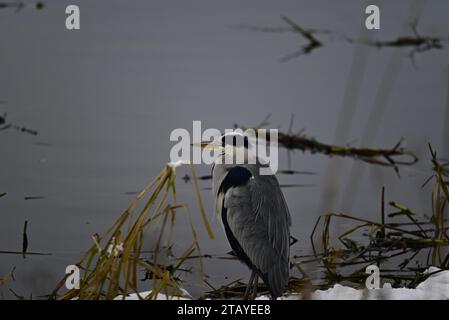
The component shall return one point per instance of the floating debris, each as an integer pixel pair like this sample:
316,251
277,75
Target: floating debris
24,239
12,5
19,5
42,144
34,197
19,128
27,130
131,192
292,172
394,157
298,185
417,42
2,119
313,44
308,34
186,178
5,125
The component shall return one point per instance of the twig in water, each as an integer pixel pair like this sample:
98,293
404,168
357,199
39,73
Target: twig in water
394,157
24,239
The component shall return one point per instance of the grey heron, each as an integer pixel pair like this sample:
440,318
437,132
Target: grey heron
254,214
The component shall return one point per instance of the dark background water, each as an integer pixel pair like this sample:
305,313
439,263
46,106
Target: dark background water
104,100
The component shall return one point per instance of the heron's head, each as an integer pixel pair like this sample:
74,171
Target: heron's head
234,140
232,144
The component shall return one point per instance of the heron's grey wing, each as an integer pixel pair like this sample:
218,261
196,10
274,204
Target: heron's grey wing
257,216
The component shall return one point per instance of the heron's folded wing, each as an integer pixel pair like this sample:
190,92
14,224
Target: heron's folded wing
258,217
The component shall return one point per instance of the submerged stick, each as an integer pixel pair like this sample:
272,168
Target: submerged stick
24,239
393,157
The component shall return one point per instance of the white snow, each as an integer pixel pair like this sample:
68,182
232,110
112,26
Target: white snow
176,164
436,287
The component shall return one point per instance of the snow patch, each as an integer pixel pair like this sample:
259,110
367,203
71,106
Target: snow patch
435,287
